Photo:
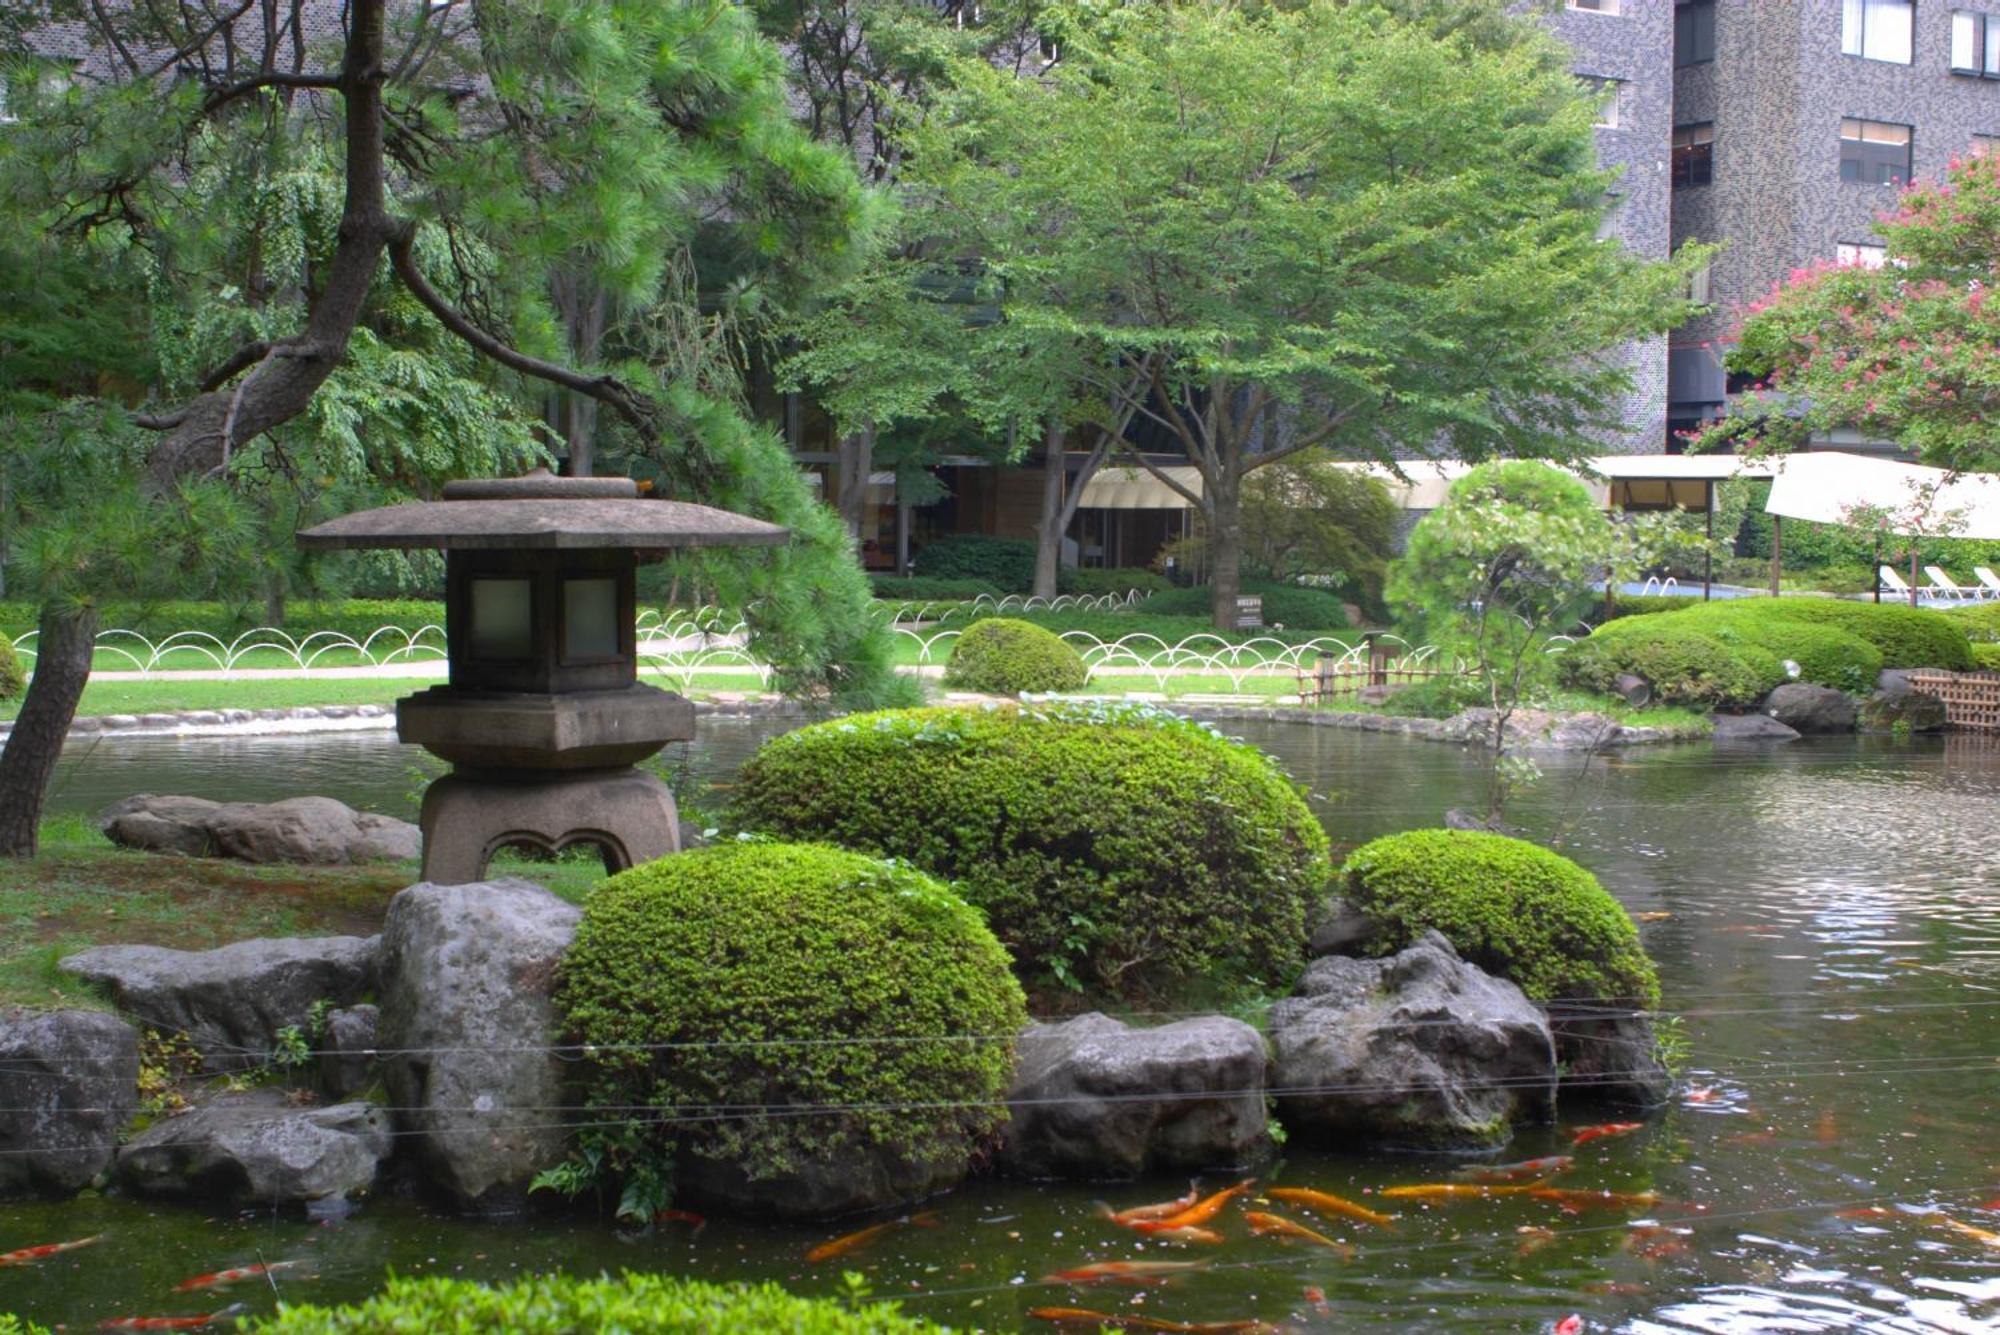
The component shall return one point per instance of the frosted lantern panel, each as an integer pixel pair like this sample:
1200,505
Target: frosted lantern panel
590,619
502,618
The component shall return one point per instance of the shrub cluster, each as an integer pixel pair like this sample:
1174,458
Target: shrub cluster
1506,905
1286,605
639,1304
923,588
1006,563
1114,848
1003,656
1906,636
1120,580
1638,605
13,679
771,942
1683,666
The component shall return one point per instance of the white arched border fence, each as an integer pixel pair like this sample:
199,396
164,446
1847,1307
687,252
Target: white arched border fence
184,650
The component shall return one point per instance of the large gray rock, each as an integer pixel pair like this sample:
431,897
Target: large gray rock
1417,1051
1343,929
1811,709
1096,1098
69,1082
870,1179
257,1148
1898,706
1608,1055
311,830
466,1029
232,1001
1751,728
347,1051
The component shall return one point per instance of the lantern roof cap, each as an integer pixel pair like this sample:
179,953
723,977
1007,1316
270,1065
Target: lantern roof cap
540,512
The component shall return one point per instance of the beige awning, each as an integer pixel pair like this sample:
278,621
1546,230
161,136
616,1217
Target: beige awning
1129,487
1826,486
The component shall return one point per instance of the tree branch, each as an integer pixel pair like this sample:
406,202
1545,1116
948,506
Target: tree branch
198,43
247,355
228,93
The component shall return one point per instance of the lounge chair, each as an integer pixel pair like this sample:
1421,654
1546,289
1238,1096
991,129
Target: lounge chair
1945,587
1989,581
1893,583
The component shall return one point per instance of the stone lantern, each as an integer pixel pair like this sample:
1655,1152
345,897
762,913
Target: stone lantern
543,717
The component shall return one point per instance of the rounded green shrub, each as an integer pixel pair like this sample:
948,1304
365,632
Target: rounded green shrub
1006,563
13,680
1825,655
1906,636
1115,848
1286,605
1515,910
1638,605
638,1304
1683,666
1986,657
713,979
1002,656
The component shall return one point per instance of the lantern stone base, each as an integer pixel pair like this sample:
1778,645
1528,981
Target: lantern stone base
630,815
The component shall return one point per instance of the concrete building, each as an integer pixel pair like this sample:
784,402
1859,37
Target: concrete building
1795,122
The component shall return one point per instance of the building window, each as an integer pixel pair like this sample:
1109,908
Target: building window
1694,154
1874,152
1608,93
1878,29
1700,283
1968,41
1594,6
1865,254
1694,33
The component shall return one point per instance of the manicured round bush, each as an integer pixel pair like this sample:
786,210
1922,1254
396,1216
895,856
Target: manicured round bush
1114,848
1906,636
1683,666
1825,655
1002,656
1639,605
1006,563
1986,657
1286,605
13,679
1515,910
734,949
638,1304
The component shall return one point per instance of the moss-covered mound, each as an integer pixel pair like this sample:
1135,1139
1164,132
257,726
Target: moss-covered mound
775,976
1682,665
1114,848
1002,656
1515,910
13,680
640,1304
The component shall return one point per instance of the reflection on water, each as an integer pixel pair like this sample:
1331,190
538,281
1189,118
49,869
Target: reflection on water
1831,950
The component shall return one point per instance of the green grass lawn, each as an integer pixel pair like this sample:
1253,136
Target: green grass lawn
81,891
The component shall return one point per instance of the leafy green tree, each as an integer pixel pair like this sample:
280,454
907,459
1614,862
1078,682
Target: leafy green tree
1309,518
1513,557
480,148
1325,225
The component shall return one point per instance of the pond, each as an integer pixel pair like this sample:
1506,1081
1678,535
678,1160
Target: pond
1830,942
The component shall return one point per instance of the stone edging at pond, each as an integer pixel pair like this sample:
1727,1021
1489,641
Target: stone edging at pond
1530,729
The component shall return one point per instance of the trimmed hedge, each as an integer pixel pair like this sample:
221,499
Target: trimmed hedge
639,1304
1906,636
1006,563
353,617
1115,848
1825,655
760,942
1986,657
1638,605
919,588
1120,580
1683,666
1002,656
1506,905
1285,605
13,680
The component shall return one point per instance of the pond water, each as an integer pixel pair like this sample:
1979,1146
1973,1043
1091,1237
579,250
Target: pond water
1831,946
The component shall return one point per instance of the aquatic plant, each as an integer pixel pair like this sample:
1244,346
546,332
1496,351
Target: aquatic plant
1001,656
1115,849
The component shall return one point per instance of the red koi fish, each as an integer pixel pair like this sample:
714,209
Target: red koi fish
688,1217
1140,1214
1317,1297
1569,1325
1204,1210
171,1322
1261,1223
861,1237
223,1278
1123,1272
1079,1316
1654,1242
1528,1170
1608,1129
1867,1212
30,1255
1325,1202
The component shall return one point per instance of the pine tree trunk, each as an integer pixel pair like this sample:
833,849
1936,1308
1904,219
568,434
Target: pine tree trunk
62,666
1225,551
857,461
274,602
1049,527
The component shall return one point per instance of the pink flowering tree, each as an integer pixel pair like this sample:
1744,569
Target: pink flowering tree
1909,352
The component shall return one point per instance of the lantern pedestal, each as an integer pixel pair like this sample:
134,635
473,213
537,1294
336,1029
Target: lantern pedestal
628,813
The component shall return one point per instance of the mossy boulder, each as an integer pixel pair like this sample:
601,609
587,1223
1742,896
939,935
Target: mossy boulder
1002,656
1115,849
639,1304
713,981
1514,909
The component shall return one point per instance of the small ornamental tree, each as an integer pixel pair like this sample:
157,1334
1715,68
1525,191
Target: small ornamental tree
1908,352
1513,557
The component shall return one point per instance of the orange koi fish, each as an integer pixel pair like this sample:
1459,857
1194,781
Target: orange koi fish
30,1255
1867,1212
224,1278
1528,1170
1317,1297
1078,1316
861,1237
171,1322
1454,1191
1122,1272
1578,1200
1987,1236
1590,1133
1261,1223
688,1217
1655,1242
1139,1214
1569,1325
1203,1211
1167,1231
1325,1202
1828,1130
1533,1237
